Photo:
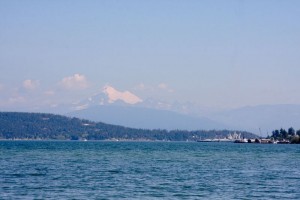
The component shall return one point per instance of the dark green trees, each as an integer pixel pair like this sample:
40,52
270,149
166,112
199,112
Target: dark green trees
15,125
275,134
291,131
283,133
298,133
290,135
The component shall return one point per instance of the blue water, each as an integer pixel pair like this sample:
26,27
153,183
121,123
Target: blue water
148,170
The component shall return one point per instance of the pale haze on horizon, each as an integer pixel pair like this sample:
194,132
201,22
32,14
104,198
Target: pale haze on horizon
216,54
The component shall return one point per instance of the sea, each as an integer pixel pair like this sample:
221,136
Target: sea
148,170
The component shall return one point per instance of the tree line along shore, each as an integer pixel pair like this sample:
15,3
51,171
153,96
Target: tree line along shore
291,135
42,126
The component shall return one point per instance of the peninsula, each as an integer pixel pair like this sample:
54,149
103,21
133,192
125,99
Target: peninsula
42,126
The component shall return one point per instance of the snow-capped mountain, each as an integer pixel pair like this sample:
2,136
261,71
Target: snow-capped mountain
127,109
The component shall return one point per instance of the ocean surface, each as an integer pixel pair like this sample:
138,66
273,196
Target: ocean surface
148,170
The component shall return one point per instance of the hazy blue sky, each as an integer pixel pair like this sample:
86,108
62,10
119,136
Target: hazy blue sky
212,53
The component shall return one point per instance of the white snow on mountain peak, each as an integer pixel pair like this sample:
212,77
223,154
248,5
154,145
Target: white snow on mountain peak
125,96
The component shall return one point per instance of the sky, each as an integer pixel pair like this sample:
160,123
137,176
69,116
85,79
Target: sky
212,54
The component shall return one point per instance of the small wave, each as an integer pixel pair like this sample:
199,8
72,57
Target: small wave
115,171
37,174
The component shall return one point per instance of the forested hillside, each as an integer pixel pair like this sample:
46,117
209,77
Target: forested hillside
14,125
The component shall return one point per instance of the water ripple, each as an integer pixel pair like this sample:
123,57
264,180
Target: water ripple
148,170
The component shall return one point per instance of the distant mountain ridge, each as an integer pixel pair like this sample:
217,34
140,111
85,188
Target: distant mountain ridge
125,108
261,119
138,117
264,118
